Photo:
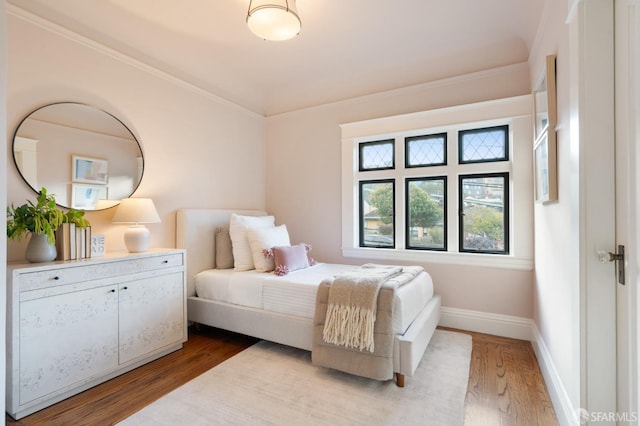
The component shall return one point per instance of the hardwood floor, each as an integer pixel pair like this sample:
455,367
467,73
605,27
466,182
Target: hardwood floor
505,383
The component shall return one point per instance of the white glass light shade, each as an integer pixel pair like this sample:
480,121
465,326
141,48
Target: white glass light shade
136,211
273,19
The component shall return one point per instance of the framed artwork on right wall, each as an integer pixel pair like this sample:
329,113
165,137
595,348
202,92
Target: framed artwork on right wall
544,131
545,167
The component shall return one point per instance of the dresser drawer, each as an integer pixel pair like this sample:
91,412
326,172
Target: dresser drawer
79,273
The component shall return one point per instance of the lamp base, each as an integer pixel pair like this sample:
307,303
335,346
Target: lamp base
136,238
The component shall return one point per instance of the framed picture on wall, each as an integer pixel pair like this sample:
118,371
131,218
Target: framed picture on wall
545,167
86,197
89,170
544,99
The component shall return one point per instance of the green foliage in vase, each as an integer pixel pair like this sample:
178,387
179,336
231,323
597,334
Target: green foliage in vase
43,217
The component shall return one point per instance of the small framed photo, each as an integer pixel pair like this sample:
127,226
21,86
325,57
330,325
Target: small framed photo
89,170
544,99
85,197
545,167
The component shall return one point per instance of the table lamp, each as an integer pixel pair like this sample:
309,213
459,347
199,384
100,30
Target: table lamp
136,211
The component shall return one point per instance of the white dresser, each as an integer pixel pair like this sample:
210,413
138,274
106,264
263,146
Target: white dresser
74,324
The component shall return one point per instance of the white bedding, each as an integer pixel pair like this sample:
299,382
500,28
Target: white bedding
295,293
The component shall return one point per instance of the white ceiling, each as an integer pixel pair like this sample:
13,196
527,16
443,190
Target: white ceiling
346,48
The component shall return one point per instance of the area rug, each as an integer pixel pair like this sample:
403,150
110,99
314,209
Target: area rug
271,384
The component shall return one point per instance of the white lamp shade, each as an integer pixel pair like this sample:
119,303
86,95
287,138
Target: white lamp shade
273,19
136,210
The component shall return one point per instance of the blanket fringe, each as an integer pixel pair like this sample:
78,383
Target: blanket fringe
350,326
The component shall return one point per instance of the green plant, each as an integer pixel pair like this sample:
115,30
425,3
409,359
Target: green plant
43,217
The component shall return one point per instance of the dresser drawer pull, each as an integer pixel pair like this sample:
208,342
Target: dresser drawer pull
56,278
125,288
112,290
165,261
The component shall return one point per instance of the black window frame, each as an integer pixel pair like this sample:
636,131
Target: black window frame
407,211
505,213
362,145
461,133
362,215
408,139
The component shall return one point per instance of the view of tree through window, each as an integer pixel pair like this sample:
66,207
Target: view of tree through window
484,203
377,213
426,213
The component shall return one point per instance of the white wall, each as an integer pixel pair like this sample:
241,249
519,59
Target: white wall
3,199
303,181
556,289
200,151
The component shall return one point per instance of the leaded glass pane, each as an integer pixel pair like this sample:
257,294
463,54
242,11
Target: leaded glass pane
377,155
479,145
428,150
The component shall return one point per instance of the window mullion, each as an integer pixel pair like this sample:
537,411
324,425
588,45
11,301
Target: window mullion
400,219
453,170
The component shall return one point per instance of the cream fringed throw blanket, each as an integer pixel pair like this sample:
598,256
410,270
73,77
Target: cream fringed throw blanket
353,299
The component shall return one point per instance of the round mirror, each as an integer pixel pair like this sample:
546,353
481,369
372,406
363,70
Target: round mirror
84,156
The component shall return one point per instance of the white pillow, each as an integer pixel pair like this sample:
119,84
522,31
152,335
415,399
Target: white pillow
238,226
263,239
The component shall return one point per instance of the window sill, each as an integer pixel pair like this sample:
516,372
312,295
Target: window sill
420,256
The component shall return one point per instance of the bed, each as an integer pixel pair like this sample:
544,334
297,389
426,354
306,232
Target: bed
281,309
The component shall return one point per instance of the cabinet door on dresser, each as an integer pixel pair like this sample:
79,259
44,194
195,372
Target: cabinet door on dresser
151,314
66,339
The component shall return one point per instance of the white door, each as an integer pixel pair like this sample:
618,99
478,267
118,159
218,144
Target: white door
593,59
627,77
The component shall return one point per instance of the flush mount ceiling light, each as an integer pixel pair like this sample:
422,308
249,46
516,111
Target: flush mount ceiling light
273,19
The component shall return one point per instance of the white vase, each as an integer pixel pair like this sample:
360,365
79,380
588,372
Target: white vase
39,249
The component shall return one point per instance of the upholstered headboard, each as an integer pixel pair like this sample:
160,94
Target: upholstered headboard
195,230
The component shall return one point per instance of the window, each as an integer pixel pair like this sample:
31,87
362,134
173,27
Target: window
376,214
426,213
466,202
482,198
377,155
480,145
428,150
484,211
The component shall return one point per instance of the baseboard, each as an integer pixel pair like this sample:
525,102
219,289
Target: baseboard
485,322
565,412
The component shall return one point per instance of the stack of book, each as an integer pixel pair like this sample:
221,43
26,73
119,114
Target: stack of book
73,242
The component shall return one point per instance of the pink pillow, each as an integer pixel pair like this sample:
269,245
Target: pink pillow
291,258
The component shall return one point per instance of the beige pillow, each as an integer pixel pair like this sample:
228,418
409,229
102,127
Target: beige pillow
224,251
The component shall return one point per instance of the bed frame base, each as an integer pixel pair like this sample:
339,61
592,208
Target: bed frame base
195,233
279,328
298,331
